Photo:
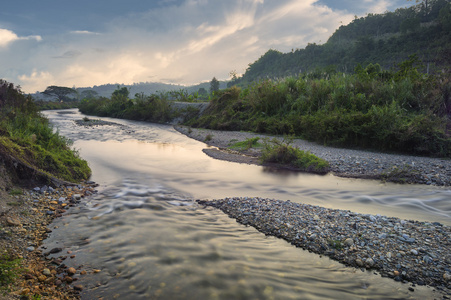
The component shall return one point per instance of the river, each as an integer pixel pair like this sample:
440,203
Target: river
150,240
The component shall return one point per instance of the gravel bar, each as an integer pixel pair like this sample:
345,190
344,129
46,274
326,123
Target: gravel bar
405,250
343,162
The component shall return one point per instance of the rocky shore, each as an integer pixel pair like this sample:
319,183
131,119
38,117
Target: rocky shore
25,219
343,162
405,250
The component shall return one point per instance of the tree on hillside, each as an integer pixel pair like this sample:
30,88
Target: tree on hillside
124,92
89,94
214,85
60,92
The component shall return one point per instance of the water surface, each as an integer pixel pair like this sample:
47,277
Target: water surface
150,240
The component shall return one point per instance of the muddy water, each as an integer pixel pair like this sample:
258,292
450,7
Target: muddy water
151,241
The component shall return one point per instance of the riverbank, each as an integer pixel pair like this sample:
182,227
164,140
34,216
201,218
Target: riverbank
343,162
405,250
26,216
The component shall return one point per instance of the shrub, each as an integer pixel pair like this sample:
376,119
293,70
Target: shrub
275,151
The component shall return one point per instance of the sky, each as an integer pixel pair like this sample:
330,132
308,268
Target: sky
93,42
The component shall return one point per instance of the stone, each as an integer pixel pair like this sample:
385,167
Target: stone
12,221
46,272
78,287
71,271
369,262
359,262
349,242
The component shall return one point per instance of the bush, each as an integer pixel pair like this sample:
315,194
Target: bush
282,153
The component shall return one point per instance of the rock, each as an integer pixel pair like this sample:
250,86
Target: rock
55,250
71,271
46,272
369,262
12,221
78,287
349,242
414,252
30,249
359,262
68,279
447,276
76,197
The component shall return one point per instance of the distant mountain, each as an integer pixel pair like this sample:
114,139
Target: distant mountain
386,39
147,88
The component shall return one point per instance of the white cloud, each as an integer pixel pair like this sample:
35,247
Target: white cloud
84,32
7,37
186,43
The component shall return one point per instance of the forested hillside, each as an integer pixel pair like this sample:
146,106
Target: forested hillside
387,39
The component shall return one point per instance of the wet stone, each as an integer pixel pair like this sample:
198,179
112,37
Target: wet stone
404,250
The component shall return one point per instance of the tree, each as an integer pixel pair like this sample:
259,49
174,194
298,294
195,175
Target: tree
214,85
202,92
89,94
60,92
124,92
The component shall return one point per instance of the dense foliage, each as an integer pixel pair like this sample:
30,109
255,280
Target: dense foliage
403,111
386,39
153,108
26,137
275,151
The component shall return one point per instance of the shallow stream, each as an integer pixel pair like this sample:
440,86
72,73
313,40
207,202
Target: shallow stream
150,240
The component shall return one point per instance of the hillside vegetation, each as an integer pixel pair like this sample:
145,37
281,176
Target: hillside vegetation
403,111
29,147
386,39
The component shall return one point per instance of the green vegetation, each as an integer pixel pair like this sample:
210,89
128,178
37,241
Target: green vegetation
402,174
48,105
9,270
28,143
396,111
15,192
247,144
275,151
153,108
386,39
209,137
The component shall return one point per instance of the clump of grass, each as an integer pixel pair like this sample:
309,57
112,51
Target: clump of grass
397,174
336,244
15,192
209,137
86,119
9,270
247,144
281,152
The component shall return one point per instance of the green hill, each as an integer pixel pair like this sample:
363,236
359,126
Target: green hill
386,39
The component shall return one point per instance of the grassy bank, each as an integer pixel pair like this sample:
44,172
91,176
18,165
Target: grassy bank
403,111
28,145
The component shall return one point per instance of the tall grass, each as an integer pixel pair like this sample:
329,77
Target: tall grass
370,109
28,137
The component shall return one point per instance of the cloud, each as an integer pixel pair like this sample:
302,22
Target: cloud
69,54
181,42
84,32
7,37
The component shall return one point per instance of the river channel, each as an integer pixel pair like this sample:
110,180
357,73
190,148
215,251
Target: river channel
150,240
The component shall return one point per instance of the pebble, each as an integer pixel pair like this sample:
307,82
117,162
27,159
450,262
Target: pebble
343,162
405,250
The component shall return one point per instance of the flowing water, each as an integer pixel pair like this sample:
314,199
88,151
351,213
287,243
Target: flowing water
150,240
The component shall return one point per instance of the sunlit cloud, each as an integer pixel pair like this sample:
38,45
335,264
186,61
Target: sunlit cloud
7,37
84,32
175,41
